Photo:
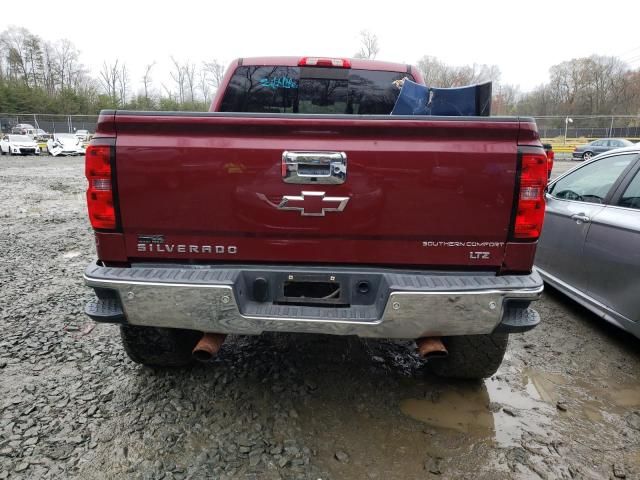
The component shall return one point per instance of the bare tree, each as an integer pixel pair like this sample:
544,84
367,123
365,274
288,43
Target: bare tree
368,45
49,74
108,78
215,72
178,76
435,72
505,100
146,79
13,42
34,60
167,91
189,70
439,74
123,83
205,88
67,57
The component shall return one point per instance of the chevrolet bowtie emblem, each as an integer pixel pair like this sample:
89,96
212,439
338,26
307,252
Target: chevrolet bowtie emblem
313,204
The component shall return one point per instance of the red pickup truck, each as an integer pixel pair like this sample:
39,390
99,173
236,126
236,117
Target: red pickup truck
298,204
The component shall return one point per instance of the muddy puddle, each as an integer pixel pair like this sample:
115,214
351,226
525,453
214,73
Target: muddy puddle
492,411
500,410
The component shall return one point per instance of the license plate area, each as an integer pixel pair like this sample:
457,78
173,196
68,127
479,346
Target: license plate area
318,290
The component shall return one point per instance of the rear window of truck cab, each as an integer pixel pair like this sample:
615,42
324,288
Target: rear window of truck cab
280,89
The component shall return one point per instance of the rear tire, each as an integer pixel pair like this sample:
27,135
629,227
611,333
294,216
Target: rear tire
471,357
159,347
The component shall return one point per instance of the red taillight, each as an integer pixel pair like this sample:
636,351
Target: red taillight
324,62
102,213
530,208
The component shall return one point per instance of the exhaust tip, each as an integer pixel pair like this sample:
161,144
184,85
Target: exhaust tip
432,355
207,347
431,347
201,355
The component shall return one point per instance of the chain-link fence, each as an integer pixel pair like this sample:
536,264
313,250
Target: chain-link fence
589,126
571,127
48,123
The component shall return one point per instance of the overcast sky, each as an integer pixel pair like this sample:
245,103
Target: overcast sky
524,38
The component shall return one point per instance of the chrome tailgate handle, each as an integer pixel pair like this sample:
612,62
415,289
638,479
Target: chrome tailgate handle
314,167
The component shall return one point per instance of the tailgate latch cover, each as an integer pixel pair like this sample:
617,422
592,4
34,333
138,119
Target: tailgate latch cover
314,167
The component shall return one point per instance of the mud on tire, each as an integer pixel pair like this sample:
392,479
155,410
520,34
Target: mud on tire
159,347
470,356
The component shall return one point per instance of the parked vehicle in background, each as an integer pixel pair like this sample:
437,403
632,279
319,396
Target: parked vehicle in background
18,145
65,144
590,243
21,128
6,124
585,152
38,134
257,217
83,135
548,149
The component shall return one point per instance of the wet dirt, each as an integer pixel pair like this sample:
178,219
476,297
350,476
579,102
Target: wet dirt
565,403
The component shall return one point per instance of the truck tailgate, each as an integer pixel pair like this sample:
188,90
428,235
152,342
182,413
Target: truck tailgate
421,192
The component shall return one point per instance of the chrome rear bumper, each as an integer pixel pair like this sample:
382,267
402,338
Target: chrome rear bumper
403,304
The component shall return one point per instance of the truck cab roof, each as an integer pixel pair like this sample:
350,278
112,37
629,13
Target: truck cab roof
356,63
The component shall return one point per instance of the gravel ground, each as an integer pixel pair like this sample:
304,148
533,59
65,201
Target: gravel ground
565,403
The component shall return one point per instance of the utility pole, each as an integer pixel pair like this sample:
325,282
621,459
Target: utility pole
567,121
611,128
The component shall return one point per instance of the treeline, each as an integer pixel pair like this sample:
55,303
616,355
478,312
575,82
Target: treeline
596,85
42,76
593,85
38,76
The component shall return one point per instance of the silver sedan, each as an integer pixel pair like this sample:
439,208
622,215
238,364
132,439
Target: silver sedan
590,244
586,152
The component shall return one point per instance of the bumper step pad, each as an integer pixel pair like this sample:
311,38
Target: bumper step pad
105,310
517,320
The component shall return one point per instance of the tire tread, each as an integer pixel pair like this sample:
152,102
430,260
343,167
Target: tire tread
158,347
471,356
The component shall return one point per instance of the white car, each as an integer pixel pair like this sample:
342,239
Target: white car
83,135
65,144
18,145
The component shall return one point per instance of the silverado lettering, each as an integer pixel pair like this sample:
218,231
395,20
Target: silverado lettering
181,248
319,225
